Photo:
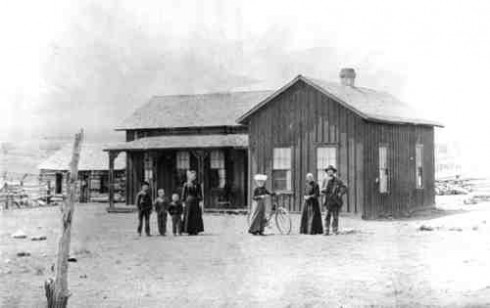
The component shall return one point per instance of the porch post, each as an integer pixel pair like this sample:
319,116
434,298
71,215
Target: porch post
112,157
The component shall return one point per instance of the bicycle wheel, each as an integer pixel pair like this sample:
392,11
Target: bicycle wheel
283,221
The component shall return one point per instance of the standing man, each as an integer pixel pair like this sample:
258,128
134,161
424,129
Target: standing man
333,188
144,204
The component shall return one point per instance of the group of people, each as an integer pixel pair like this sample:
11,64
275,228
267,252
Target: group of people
311,217
186,217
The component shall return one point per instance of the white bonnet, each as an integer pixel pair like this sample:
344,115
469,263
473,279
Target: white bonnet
260,177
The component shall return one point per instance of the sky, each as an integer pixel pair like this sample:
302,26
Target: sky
71,64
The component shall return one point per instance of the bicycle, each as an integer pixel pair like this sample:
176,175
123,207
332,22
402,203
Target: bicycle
280,215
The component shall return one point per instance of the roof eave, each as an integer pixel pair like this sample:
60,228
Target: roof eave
401,122
177,127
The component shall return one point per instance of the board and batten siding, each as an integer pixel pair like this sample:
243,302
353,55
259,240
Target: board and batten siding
303,118
403,195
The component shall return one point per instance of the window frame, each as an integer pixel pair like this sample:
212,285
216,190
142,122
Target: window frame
421,166
386,169
220,169
335,164
289,171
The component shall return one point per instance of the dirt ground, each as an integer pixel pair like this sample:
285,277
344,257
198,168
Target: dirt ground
383,263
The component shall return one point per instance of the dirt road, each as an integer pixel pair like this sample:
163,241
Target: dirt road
383,263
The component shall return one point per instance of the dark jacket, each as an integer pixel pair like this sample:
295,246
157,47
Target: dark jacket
175,208
143,201
161,205
334,189
312,190
261,191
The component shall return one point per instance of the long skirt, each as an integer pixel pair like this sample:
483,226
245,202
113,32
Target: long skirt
193,223
258,221
311,218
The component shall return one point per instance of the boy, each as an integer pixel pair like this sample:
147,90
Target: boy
175,210
144,204
161,207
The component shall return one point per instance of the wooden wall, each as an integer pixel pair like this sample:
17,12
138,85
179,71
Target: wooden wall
403,195
304,119
89,194
140,133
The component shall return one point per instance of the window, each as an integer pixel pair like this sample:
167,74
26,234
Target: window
325,156
58,183
419,176
281,169
183,164
218,171
148,167
383,169
183,160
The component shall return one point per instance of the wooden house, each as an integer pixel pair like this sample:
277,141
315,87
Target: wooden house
93,174
383,149
173,134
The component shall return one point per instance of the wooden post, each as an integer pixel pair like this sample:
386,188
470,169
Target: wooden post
57,289
112,157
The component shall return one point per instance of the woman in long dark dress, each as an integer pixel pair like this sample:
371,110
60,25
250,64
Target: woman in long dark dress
311,217
258,220
192,195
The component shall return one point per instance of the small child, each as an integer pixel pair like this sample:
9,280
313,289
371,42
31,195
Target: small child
175,210
161,208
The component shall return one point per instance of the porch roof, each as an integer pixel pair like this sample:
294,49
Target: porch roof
182,141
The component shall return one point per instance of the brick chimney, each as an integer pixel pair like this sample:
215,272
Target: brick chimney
347,77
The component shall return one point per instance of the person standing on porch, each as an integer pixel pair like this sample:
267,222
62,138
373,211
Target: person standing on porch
311,217
161,208
334,189
144,205
258,220
192,195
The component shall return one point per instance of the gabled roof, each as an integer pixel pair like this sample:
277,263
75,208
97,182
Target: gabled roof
369,104
92,157
200,110
183,141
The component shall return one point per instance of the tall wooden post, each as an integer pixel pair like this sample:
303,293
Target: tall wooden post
112,158
57,289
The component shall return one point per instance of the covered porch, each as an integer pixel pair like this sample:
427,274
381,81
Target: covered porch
220,160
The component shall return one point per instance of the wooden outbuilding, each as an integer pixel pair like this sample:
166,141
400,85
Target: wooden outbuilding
383,149
93,174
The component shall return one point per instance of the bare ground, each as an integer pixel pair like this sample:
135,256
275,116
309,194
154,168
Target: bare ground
383,263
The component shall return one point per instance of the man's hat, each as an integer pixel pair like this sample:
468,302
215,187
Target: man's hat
331,167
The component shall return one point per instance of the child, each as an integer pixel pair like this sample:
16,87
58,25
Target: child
258,221
161,207
175,210
144,205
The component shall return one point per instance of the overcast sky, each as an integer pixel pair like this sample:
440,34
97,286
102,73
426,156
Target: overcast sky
69,64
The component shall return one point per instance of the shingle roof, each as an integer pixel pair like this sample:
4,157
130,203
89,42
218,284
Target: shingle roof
183,141
201,110
369,104
92,157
